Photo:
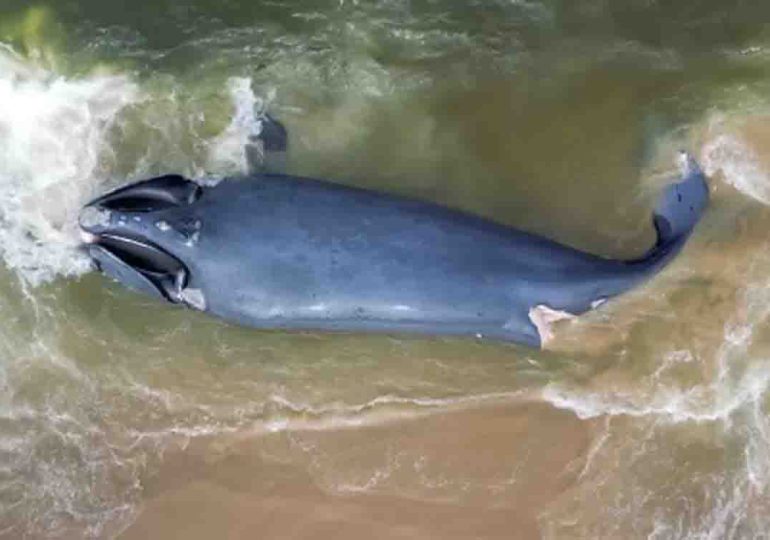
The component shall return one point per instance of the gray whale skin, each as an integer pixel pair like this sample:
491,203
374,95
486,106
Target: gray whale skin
277,251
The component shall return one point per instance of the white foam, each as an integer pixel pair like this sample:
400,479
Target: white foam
227,154
738,384
54,133
669,404
729,155
338,412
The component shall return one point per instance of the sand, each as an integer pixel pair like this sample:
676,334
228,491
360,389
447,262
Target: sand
285,485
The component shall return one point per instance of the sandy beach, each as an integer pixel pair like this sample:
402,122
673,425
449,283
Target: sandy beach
261,488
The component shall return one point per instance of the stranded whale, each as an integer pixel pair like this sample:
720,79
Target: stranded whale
277,251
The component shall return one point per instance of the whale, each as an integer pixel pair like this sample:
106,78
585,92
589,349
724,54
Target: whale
275,251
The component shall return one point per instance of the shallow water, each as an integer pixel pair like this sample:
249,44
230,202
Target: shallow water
561,118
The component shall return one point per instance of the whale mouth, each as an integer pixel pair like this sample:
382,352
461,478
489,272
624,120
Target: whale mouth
139,265
143,256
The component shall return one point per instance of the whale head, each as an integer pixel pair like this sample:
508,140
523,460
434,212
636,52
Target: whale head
134,235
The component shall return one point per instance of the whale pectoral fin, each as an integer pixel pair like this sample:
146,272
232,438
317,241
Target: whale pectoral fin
266,151
544,317
520,329
681,204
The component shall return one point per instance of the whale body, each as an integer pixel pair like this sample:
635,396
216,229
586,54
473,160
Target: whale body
281,252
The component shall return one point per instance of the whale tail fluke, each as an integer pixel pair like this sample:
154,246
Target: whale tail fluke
681,204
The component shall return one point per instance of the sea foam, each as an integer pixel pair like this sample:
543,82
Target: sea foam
55,133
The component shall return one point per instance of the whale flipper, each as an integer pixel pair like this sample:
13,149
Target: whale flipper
681,204
266,151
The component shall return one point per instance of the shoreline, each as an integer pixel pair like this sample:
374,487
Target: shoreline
271,486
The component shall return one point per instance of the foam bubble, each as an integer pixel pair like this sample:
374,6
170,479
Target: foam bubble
728,154
227,152
54,133
700,404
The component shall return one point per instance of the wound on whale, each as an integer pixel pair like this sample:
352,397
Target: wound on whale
281,252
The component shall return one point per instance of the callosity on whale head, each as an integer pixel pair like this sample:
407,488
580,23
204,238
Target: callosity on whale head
120,230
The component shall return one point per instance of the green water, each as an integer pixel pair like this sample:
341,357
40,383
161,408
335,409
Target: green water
559,117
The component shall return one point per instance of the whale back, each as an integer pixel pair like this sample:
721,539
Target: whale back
275,251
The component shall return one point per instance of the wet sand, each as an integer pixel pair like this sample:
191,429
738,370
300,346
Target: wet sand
266,487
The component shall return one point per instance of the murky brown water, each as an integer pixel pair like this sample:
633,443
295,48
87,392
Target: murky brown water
119,416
